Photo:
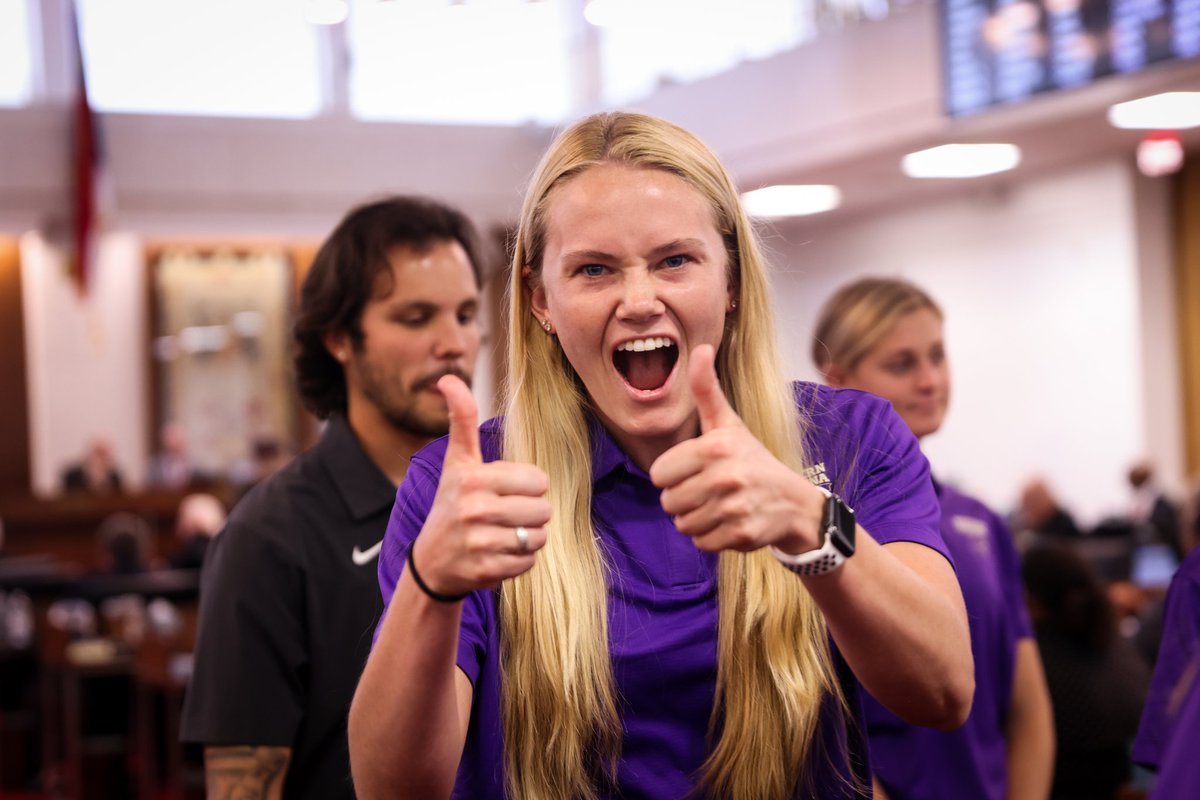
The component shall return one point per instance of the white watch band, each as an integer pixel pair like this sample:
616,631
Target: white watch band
825,558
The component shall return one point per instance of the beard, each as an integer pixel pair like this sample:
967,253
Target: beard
407,407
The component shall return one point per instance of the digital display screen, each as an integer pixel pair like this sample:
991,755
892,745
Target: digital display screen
1002,51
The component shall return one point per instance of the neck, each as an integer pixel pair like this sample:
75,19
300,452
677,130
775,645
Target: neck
390,447
645,450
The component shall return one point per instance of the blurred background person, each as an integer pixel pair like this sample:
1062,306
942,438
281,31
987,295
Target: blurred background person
171,467
125,544
1097,681
267,456
1154,515
885,336
1040,514
97,472
1178,648
200,517
1179,773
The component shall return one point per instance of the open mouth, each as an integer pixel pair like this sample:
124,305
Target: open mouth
645,364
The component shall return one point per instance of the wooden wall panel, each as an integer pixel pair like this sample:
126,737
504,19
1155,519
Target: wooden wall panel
14,399
1187,238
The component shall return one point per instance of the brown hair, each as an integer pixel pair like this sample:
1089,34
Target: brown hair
344,276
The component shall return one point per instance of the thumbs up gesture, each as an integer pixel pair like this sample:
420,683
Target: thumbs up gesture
724,488
470,539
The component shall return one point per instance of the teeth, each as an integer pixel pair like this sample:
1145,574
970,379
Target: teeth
642,345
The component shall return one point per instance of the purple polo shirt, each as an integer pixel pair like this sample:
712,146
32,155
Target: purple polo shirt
915,763
1180,645
663,598
1179,773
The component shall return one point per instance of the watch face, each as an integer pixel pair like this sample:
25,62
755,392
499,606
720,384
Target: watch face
842,531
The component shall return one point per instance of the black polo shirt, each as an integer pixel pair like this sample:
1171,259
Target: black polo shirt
289,599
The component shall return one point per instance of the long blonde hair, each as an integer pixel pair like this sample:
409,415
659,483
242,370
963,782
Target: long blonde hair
561,726
859,315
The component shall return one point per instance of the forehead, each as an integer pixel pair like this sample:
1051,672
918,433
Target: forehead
918,328
439,272
620,202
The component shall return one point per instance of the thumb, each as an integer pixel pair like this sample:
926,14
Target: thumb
464,420
715,411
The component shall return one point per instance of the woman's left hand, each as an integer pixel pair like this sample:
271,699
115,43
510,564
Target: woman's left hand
725,489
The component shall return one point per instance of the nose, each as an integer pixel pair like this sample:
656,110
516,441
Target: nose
928,375
639,298
452,338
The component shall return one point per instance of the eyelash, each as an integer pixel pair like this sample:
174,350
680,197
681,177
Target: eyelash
680,257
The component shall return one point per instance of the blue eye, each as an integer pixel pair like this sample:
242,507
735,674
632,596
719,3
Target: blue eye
675,261
592,270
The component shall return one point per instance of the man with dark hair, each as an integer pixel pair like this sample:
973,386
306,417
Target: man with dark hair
289,594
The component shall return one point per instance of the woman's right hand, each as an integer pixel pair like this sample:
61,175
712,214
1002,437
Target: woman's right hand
470,539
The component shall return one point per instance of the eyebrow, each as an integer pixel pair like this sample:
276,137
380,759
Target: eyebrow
429,305
663,249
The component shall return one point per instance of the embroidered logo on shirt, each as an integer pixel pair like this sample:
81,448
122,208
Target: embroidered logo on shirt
816,475
975,529
363,557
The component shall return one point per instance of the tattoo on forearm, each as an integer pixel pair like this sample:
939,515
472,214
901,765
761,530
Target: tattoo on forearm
245,773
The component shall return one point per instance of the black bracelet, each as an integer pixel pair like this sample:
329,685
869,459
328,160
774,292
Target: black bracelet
441,598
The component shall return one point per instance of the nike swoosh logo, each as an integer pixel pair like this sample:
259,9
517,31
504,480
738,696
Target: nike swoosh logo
363,557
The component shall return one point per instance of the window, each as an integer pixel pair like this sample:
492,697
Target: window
644,43
15,76
486,62
217,57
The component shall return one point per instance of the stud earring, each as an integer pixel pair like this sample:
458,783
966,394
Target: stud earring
733,305
547,327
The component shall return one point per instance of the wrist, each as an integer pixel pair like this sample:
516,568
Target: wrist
837,530
433,594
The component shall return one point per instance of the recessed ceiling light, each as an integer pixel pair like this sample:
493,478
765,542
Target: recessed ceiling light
1173,110
961,160
791,201
326,12
607,13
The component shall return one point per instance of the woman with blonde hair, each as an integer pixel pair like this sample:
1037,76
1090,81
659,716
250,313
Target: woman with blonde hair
884,336
627,586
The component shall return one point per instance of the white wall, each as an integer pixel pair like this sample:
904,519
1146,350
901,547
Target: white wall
1064,361
1044,322
86,358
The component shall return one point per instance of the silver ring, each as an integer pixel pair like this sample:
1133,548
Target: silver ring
522,539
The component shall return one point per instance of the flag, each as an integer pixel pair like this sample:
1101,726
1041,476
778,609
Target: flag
87,174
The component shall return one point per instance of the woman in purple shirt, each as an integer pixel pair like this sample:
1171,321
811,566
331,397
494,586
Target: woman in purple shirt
628,586
885,336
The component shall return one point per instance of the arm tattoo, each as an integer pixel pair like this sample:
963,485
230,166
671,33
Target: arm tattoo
245,773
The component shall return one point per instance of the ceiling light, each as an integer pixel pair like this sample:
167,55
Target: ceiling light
791,201
1175,110
611,13
961,160
326,12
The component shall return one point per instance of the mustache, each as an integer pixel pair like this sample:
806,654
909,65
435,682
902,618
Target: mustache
428,381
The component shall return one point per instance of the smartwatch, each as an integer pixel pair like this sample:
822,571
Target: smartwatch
837,520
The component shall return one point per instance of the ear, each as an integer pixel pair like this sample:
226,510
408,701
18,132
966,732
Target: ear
338,345
833,376
537,294
731,294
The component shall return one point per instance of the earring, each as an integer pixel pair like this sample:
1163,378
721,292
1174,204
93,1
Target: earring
547,327
733,305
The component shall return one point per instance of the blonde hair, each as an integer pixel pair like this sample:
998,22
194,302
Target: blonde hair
562,731
859,315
